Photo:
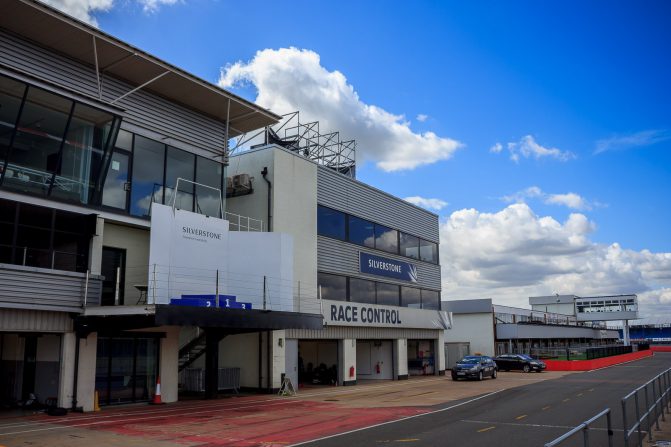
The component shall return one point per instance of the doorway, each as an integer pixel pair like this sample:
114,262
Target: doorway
113,263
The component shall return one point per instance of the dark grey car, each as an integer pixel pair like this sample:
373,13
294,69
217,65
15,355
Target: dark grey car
475,367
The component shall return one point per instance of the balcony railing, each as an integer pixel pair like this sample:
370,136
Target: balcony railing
25,287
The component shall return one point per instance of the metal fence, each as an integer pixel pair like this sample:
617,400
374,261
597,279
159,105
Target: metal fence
193,379
578,352
648,403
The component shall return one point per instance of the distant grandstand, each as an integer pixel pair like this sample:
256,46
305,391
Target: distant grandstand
652,333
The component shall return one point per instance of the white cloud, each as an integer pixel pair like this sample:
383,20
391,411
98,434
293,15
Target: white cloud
432,204
290,79
638,139
81,9
422,117
85,10
513,254
527,147
570,199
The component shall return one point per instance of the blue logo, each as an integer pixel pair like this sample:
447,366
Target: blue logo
391,268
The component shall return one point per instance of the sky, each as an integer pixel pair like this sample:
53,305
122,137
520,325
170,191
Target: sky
539,132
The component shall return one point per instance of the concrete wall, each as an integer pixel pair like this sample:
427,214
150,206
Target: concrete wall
371,354
477,329
347,354
136,243
241,351
400,358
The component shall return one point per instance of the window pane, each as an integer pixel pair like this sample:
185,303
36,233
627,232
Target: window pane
11,94
180,164
386,239
334,287
361,232
387,294
147,180
124,140
361,291
115,194
330,223
428,251
85,144
208,201
409,245
70,251
411,297
34,156
430,299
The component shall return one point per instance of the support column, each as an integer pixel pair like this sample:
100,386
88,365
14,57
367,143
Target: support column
439,356
625,332
400,347
169,364
278,355
347,356
212,339
67,370
86,381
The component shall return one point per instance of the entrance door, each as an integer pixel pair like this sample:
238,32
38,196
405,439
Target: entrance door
113,259
29,366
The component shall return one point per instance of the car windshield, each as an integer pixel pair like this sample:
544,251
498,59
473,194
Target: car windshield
526,357
470,360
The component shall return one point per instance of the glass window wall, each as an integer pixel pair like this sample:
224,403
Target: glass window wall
330,223
180,164
361,232
411,297
409,245
361,291
148,160
428,251
387,294
430,299
11,95
210,173
333,287
117,185
386,239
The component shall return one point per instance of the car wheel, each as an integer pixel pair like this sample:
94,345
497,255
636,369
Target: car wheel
526,368
480,375
454,377
539,371
494,374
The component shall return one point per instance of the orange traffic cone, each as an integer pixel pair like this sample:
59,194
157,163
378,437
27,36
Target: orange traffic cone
157,395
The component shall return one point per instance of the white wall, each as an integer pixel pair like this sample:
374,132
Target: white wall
347,353
136,243
241,351
476,329
400,357
369,356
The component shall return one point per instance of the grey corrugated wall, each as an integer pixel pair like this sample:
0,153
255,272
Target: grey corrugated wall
360,333
345,194
142,109
41,289
334,256
34,321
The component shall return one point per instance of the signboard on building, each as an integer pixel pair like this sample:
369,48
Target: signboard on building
389,268
341,313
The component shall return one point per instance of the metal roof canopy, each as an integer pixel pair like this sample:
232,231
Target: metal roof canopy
110,56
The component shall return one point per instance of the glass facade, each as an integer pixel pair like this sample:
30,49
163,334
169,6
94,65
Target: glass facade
359,290
147,183
210,173
51,145
179,164
338,225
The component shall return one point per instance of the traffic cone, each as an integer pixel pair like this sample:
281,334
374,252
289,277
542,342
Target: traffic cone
157,395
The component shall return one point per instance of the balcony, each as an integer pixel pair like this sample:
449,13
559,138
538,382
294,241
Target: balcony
35,288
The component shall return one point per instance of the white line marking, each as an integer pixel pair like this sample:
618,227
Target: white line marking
519,424
396,420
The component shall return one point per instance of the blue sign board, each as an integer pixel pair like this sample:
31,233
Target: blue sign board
391,268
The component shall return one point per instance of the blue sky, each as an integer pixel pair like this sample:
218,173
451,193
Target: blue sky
580,89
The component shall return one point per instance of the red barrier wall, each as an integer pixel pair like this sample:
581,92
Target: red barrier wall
660,348
588,365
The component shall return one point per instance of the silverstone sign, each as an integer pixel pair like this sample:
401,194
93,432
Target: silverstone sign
338,313
389,268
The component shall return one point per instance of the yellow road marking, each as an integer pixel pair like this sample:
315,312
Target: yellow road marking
566,400
486,429
521,417
407,440
545,408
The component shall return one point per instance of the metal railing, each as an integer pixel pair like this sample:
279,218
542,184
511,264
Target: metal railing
585,429
654,396
193,379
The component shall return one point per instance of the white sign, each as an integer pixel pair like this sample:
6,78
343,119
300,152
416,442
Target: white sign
342,313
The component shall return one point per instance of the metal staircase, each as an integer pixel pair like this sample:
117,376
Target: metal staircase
190,352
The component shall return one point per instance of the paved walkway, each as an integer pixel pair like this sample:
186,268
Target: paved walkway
252,420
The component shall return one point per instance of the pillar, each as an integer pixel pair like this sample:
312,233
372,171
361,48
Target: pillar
400,347
67,370
625,332
439,356
169,364
86,379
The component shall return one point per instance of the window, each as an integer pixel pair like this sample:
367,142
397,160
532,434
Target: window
330,223
333,287
83,152
411,297
409,245
180,164
147,177
386,239
387,294
115,191
361,291
430,299
428,251
34,157
361,232
11,95
208,201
